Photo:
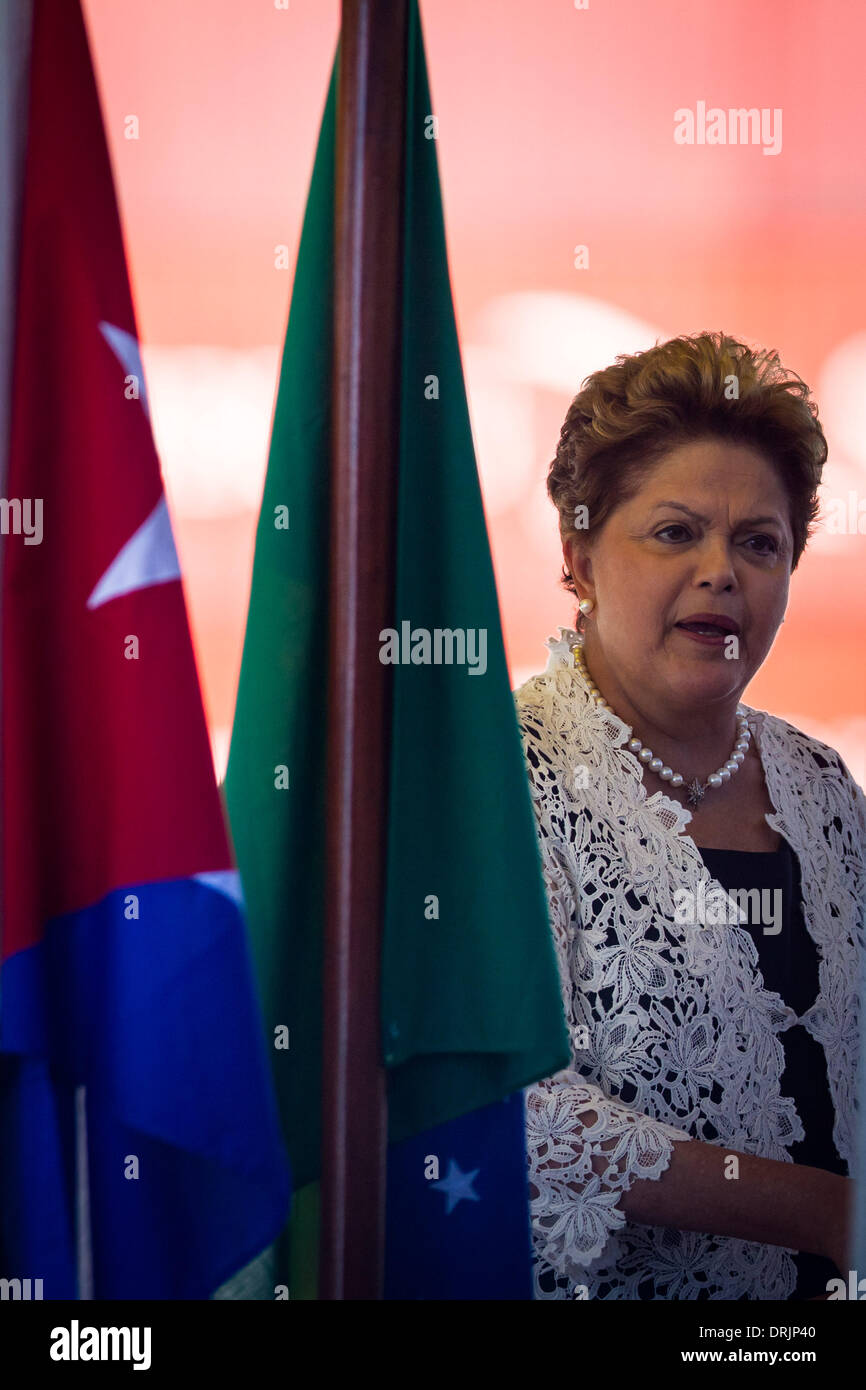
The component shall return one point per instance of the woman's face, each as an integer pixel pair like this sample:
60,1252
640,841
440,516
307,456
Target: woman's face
708,532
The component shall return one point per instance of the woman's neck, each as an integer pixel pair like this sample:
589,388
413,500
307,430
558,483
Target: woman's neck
692,740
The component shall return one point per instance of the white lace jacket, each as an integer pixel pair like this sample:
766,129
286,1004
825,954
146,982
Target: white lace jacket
673,1034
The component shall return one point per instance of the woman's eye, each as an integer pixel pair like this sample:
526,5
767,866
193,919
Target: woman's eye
674,526
770,544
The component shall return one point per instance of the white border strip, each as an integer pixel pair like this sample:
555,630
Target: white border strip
83,1241
15,34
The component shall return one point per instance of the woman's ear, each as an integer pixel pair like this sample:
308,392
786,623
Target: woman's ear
579,566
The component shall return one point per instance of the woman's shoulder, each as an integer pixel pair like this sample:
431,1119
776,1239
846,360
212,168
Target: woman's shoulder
808,779
533,691
781,737
569,744
549,706
559,657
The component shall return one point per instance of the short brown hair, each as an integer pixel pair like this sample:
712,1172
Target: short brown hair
627,416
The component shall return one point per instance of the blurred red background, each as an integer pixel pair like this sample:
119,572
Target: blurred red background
555,130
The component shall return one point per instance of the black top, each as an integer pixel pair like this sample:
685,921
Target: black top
788,961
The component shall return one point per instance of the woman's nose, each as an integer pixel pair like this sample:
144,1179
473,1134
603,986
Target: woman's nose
715,563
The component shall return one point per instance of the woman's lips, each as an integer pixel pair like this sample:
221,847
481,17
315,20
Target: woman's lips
699,632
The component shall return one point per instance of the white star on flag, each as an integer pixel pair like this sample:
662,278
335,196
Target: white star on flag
149,556
457,1186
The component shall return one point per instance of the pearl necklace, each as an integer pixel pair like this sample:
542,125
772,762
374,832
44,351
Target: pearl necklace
696,791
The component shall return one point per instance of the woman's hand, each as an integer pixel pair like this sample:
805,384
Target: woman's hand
773,1202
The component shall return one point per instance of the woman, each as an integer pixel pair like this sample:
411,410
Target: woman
704,861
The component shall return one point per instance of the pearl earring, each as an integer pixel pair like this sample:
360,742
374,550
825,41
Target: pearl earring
586,605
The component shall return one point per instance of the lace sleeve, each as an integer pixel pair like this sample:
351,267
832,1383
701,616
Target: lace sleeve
584,1148
858,799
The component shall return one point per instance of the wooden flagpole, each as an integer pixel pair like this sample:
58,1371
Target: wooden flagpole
366,401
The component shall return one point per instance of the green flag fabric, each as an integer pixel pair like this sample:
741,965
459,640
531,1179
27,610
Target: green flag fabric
470,997
470,1002
275,780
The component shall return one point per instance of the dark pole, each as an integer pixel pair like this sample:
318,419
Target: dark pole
366,400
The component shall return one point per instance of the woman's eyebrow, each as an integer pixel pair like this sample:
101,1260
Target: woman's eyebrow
746,521
680,507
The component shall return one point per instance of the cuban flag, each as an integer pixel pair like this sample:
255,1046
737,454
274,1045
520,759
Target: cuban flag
140,1153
